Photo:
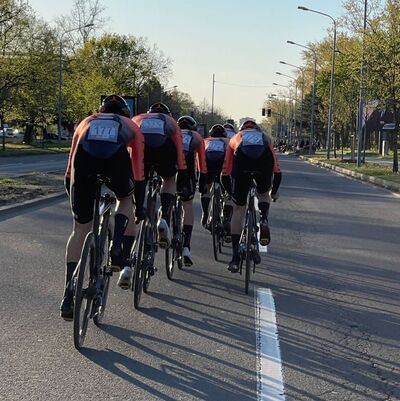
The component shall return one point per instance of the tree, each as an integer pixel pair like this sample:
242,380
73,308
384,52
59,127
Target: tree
382,55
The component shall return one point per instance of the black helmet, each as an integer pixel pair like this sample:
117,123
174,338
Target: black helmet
229,126
249,124
159,108
115,104
187,122
217,131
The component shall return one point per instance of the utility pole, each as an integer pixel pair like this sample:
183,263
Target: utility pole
361,105
212,100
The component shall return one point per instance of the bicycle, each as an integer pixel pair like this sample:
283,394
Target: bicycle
91,278
215,218
143,260
248,245
173,254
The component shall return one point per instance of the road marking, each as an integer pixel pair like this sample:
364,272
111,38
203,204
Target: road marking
269,366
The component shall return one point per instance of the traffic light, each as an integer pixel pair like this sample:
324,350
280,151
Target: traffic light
266,112
269,112
263,112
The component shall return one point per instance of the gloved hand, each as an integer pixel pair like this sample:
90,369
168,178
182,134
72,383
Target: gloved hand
140,214
182,187
227,184
139,193
67,184
274,196
202,183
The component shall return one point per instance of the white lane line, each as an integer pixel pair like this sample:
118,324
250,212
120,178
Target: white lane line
269,366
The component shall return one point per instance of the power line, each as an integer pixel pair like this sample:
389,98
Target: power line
243,86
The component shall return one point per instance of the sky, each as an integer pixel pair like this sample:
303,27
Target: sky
240,41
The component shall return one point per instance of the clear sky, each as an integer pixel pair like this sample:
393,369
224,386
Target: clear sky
241,41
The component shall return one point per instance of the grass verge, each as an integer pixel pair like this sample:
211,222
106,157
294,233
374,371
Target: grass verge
21,149
372,169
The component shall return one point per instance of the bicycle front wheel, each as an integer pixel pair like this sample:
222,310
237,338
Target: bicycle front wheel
139,270
85,291
105,274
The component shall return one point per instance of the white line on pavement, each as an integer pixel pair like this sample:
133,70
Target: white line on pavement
269,367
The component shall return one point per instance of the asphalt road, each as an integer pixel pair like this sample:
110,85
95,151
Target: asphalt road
19,165
333,268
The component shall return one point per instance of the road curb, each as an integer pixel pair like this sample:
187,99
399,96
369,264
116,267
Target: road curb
392,186
32,202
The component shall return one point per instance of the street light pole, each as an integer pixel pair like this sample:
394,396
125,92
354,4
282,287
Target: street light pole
212,100
295,100
60,78
289,116
312,131
332,81
302,92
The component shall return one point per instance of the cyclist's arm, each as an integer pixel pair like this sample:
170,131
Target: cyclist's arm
79,131
137,152
201,154
177,140
230,149
277,172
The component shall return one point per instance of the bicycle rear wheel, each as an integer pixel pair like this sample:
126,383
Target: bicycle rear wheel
105,275
250,233
139,268
84,291
215,223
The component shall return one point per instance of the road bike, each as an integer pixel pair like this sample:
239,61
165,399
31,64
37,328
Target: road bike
248,245
91,279
173,254
215,218
145,249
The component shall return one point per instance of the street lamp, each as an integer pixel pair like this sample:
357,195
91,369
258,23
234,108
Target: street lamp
312,134
290,98
302,91
331,89
165,91
60,78
295,98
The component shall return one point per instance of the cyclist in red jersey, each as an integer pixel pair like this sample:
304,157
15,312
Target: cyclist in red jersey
216,145
164,152
230,130
110,144
194,149
250,151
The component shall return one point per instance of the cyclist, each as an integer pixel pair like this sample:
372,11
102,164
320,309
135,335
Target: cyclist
163,151
110,144
250,151
230,130
216,145
194,149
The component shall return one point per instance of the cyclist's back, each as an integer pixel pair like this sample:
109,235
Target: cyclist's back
164,152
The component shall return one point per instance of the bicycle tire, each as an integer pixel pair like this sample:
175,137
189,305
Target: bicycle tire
250,232
138,277
86,263
169,252
179,233
152,254
106,275
214,228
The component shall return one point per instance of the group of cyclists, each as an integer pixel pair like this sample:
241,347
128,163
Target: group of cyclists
124,150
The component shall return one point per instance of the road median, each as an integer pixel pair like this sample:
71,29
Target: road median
379,181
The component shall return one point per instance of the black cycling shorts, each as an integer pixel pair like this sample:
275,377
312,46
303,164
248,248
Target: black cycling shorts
163,159
191,177
214,169
117,170
245,169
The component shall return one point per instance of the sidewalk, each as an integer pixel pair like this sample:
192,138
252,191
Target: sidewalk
392,186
